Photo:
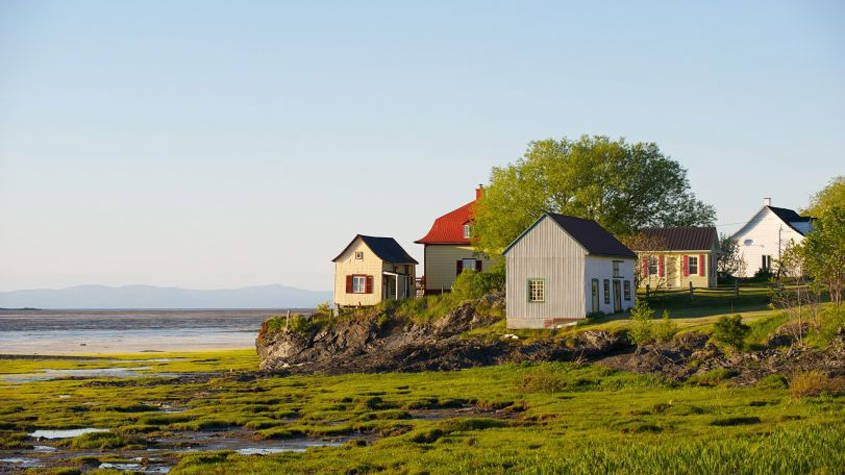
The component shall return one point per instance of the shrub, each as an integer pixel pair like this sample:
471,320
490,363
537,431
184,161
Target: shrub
541,380
731,331
324,308
831,320
815,383
665,330
712,377
641,332
472,285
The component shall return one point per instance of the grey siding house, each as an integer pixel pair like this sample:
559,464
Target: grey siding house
563,268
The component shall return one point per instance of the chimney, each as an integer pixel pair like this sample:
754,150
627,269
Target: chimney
479,191
767,201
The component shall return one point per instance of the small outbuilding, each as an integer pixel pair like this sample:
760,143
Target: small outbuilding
674,258
562,269
371,269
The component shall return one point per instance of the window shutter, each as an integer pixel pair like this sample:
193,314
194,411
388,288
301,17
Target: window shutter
701,264
348,284
686,262
369,284
478,265
661,267
460,267
645,266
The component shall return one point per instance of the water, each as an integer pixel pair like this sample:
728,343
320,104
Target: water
91,331
51,434
112,372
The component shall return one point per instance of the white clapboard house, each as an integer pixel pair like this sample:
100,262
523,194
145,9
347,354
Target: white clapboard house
763,239
563,268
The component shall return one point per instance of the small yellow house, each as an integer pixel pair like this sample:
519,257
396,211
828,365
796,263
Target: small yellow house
371,269
448,249
672,258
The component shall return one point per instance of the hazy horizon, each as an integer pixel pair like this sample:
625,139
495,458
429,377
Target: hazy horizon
212,144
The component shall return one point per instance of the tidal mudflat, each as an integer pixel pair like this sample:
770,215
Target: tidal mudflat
53,332
224,417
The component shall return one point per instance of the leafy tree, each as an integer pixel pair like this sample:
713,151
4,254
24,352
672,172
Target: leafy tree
731,331
729,260
829,198
624,187
823,252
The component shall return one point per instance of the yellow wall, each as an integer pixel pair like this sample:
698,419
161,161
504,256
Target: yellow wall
346,265
673,276
440,268
372,265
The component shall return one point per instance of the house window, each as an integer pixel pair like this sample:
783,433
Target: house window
469,264
536,290
359,284
607,290
653,265
692,264
767,263
359,255
626,286
467,231
616,271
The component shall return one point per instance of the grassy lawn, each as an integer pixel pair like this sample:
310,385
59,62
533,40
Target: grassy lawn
541,418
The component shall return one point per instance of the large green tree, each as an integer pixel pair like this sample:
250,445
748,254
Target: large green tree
623,186
828,199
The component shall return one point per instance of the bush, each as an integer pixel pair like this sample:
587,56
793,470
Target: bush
541,380
641,314
324,308
712,377
665,330
815,383
731,331
831,320
472,285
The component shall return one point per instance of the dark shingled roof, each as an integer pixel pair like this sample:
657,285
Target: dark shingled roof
385,247
682,238
595,239
592,236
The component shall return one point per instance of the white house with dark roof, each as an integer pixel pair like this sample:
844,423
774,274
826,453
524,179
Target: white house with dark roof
562,269
371,269
763,239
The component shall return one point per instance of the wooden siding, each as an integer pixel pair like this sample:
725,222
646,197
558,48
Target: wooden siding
549,253
371,264
673,273
439,262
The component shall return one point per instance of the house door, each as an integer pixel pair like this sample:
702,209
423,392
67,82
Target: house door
595,295
617,296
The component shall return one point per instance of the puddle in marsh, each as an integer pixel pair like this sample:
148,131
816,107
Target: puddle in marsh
50,434
112,372
163,452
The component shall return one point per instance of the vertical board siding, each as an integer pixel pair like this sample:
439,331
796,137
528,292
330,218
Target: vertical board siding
550,253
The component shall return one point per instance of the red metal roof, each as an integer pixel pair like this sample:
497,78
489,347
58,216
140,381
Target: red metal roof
449,228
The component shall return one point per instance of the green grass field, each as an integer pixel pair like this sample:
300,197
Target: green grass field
542,418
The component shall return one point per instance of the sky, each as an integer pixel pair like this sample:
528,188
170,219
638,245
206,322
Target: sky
217,144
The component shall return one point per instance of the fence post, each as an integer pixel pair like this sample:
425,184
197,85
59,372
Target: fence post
736,288
647,290
690,291
287,319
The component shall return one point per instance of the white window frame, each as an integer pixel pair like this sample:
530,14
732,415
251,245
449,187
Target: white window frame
617,269
536,290
467,231
656,264
359,284
690,270
469,264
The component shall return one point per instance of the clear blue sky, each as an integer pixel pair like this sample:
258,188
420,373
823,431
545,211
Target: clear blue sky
219,144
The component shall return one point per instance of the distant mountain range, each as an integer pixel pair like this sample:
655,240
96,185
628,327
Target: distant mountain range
147,296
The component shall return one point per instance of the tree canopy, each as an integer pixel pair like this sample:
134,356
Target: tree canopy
622,186
828,199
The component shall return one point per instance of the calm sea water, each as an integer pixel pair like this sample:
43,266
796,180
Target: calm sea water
96,331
